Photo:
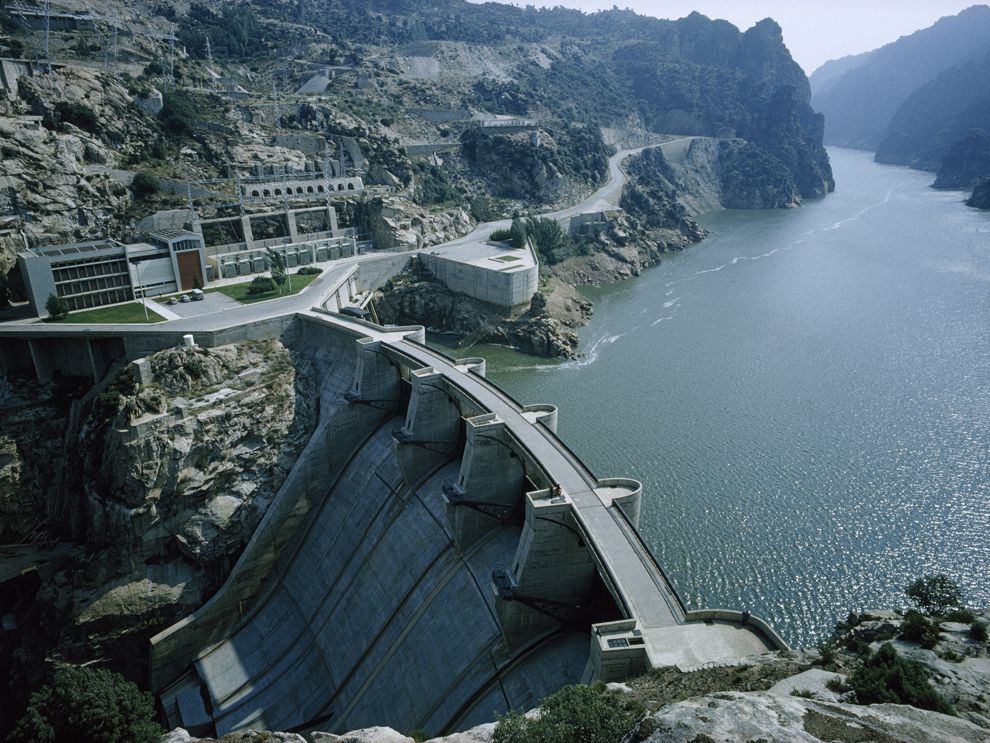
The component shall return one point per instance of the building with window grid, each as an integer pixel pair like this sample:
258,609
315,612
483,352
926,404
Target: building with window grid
102,272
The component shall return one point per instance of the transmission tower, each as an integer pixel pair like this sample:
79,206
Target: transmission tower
278,106
211,68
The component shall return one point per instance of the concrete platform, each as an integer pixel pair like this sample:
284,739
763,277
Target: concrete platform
696,645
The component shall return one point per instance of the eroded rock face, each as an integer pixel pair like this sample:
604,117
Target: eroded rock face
189,462
168,482
57,172
775,718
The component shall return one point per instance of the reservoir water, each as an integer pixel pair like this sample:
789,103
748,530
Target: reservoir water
805,396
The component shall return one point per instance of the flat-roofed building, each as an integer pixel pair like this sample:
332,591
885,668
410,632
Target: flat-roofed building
100,272
493,272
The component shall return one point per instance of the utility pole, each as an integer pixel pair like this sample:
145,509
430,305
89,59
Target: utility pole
48,30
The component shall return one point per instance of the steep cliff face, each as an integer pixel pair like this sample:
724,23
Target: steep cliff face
859,106
981,196
762,96
966,164
927,125
54,183
162,484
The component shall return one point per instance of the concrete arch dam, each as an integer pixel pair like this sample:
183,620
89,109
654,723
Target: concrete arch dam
435,556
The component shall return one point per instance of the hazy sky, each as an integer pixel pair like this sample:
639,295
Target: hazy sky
814,30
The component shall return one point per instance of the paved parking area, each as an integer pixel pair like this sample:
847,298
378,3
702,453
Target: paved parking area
212,302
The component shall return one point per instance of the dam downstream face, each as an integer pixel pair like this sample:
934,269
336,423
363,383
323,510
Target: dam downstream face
805,396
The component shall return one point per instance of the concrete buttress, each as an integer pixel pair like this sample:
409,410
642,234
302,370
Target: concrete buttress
552,575
433,427
490,484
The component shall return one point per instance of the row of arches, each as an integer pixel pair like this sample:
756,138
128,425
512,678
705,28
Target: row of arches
290,191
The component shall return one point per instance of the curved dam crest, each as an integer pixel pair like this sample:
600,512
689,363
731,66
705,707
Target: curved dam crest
436,555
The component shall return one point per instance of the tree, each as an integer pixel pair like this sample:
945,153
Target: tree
517,234
276,266
144,184
58,308
935,594
88,704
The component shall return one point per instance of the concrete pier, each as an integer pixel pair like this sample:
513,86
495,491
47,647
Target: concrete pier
490,484
432,432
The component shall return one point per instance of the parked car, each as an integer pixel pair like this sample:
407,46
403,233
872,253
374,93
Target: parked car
355,312
197,295
184,298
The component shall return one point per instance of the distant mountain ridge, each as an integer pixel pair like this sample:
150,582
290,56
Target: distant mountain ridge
938,115
860,104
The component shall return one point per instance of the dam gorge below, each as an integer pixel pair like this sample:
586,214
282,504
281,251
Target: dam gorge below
805,396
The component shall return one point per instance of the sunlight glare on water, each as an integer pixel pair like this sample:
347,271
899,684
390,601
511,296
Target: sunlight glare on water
805,396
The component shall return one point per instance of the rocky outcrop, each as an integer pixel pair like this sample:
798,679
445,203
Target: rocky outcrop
396,222
163,482
419,298
544,167
981,196
966,164
777,718
58,140
732,174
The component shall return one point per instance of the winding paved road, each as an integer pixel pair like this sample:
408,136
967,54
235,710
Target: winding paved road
605,197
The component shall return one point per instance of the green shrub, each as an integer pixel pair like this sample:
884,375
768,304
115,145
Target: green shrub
309,271
433,186
935,594
827,650
917,628
261,285
144,184
77,114
88,704
575,713
978,631
502,235
837,685
963,616
58,308
887,677
178,112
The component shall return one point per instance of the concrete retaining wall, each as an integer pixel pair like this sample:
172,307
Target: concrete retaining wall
506,288
374,274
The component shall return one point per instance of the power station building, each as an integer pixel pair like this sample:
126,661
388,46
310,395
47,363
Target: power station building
101,272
